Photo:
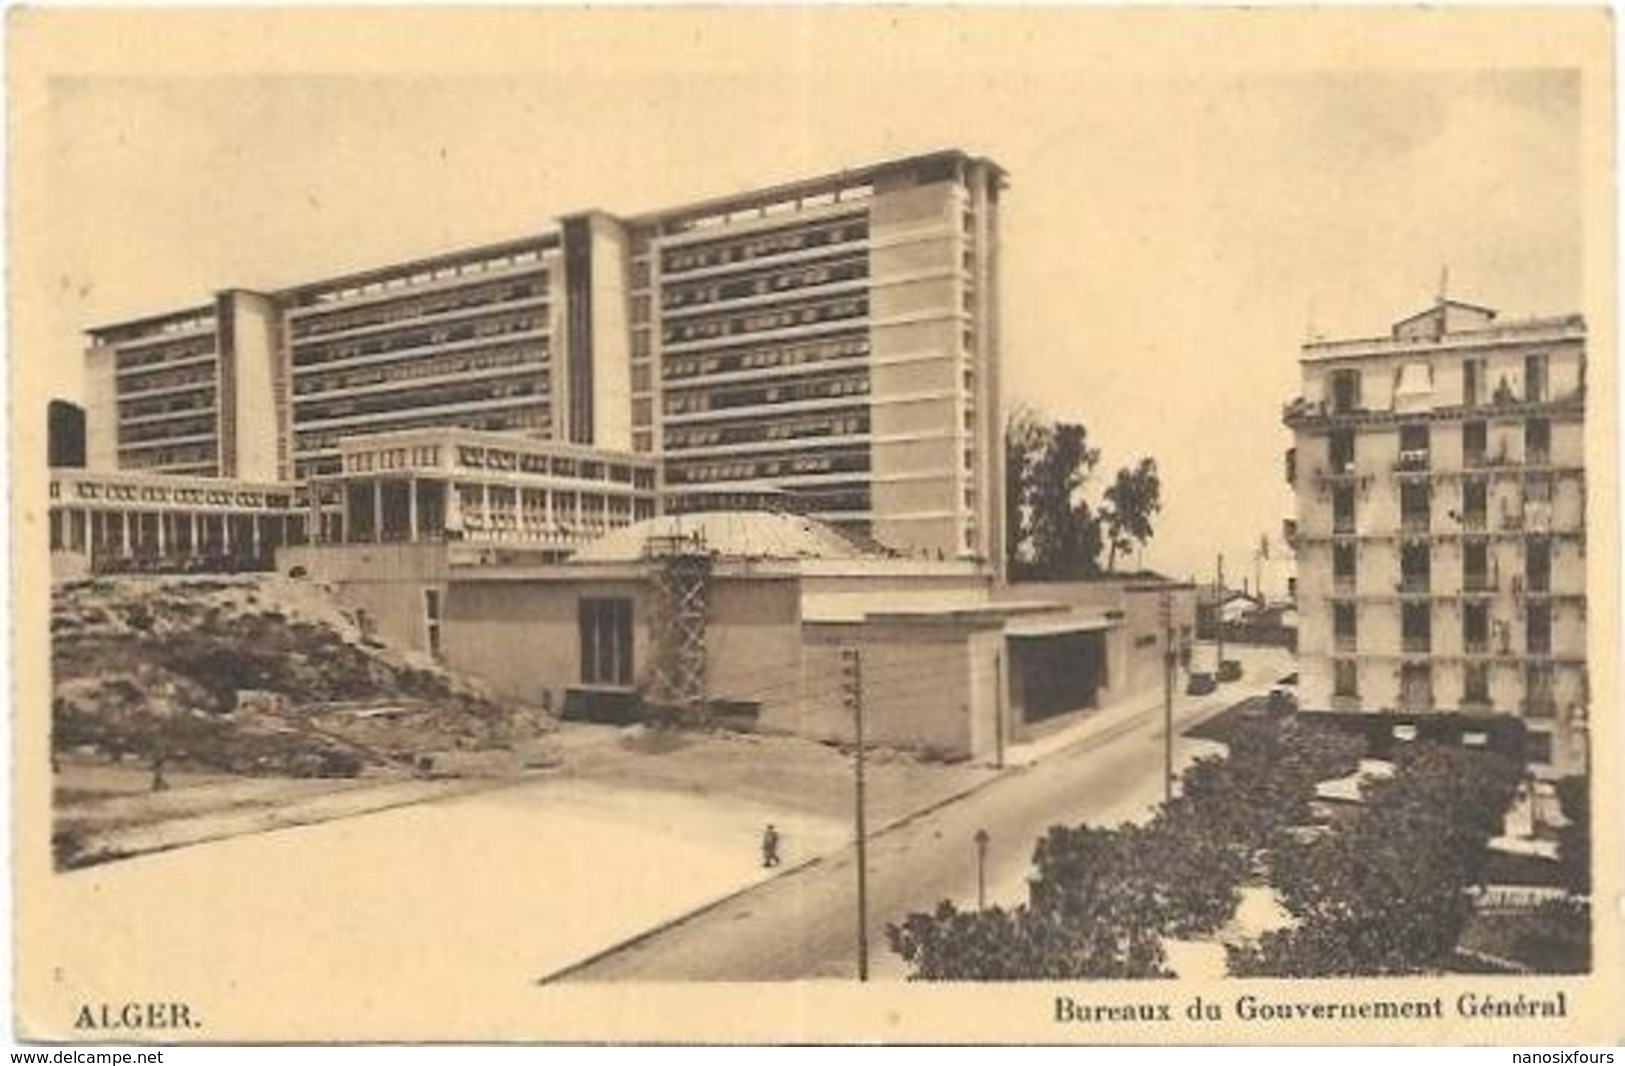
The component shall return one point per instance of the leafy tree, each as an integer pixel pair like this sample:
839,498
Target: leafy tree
1065,531
1386,893
1130,501
1558,938
1100,900
1021,944
1574,839
1025,438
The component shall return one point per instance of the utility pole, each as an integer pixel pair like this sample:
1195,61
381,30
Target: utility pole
981,839
1218,619
1167,612
852,674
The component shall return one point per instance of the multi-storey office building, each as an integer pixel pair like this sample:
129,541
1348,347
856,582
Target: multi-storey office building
189,392
1441,526
833,339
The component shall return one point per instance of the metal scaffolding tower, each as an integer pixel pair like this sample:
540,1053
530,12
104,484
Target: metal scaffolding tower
681,575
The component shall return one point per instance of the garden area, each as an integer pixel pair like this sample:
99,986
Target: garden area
1388,885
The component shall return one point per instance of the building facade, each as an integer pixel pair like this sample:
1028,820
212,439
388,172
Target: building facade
834,340
1440,532
124,522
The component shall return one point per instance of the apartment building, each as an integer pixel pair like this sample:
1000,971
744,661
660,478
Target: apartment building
1440,533
831,342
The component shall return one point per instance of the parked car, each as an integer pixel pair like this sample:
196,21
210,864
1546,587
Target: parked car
1200,684
1230,670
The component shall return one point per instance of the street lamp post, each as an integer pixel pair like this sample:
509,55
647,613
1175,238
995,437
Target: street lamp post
982,839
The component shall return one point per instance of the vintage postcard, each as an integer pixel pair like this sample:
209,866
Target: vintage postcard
815,524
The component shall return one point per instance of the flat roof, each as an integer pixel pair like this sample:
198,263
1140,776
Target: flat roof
1051,627
813,185
491,438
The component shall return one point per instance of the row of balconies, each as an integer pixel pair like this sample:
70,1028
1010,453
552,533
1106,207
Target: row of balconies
1301,411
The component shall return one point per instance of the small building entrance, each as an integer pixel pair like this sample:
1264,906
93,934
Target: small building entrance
1052,674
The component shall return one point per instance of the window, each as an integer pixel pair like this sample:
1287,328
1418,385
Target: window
1537,441
1344,626
1472,381
606,641
1416,686
1475,628
1474,442
1414,507
1540,701
1415,567
1343,509
1475,686
1416,625
1537,565
1474,503
1539,629
1345,678
1475,566
1413,447
1534,378
1340,451
1345,391
1343,566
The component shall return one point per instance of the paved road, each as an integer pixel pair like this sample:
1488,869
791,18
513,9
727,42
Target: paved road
803,925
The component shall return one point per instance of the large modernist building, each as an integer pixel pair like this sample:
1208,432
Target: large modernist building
1440,534
832,340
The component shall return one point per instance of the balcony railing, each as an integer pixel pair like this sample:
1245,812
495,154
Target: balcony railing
1415,523
1416,701
1471,582
1416,645
1345,642
1474,520
1343,586
1412,459
1416,583
1343,525
1476,701
1476,645
1537,457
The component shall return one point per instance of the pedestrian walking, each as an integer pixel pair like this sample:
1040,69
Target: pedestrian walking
770,846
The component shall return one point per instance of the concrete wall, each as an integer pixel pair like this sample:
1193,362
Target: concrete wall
387,581
611,336
753,643
917,418
101,409
255,351
924,684
523,637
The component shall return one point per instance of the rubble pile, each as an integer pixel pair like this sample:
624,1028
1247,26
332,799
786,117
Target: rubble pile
252,674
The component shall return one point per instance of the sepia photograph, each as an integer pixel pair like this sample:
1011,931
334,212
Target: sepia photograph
848,524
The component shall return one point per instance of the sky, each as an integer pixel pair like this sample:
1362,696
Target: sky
1188,200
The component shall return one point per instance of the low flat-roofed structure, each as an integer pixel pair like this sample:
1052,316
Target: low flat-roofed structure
540,497
775,605
124,521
